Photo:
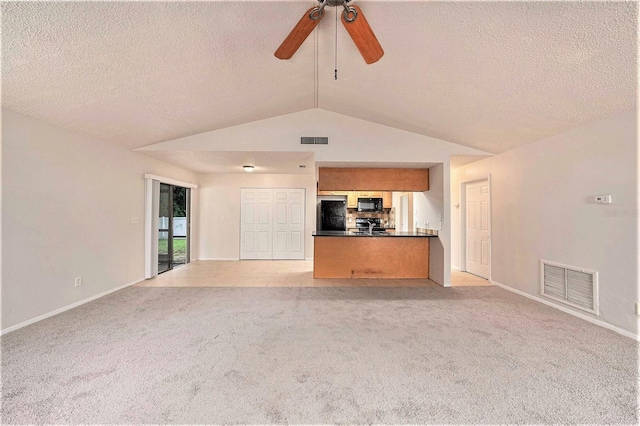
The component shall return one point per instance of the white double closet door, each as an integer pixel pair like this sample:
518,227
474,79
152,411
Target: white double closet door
272,223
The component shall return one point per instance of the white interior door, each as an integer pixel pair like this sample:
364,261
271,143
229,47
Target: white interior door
478,254
256,225
288,232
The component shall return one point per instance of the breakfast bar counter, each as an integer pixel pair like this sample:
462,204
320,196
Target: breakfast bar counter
426,234
346,254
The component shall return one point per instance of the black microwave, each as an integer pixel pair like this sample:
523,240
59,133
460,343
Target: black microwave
369,204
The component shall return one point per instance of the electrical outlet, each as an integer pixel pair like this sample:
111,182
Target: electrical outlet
603,199
78,282
134,220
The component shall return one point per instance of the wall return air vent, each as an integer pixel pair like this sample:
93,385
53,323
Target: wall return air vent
314,140
572,286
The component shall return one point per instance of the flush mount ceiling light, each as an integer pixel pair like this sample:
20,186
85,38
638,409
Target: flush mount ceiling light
248,168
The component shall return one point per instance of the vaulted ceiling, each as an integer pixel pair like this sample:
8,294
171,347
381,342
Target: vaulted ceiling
489,75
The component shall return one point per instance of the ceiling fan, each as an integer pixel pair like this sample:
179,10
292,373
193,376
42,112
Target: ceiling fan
353,20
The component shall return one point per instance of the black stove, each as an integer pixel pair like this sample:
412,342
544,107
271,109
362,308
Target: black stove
362,223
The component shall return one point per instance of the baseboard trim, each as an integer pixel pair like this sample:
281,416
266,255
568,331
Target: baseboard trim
65,308
219,258
570,312
455,268
308,258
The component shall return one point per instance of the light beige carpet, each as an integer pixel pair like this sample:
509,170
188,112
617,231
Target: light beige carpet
476,355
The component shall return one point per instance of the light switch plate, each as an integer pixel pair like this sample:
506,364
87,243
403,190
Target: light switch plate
603,199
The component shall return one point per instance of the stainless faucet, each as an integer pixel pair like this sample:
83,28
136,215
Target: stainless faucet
371,225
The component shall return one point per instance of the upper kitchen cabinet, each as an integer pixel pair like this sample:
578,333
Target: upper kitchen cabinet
363,179
332,192
369,194
352,199
386,200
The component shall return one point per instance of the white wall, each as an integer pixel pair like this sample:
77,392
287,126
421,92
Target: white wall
429,204
429,207
542,208
220,210
350,140
67,203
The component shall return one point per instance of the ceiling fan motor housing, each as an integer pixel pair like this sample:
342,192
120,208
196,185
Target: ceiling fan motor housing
335,2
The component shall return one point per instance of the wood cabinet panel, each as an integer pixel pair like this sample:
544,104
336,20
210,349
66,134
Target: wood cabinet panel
369,194
352,199
360,179
332,192
386,200
371,257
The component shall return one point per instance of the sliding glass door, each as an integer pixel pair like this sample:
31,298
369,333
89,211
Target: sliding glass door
180,218
164,229
173,227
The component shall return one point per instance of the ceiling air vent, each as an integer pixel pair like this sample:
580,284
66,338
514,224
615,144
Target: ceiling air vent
572,286
310,140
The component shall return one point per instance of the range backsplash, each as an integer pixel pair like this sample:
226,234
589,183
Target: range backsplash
387,217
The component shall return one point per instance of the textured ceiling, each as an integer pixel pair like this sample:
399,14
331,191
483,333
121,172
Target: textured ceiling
490,75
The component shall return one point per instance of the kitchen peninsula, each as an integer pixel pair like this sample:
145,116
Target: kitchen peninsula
348,254
342,253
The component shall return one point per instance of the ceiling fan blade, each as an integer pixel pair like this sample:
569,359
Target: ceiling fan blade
363,36
298,35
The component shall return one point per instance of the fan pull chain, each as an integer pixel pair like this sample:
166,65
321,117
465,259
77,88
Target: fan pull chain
315,71
335,73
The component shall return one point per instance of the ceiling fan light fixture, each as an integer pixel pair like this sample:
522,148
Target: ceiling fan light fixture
247,168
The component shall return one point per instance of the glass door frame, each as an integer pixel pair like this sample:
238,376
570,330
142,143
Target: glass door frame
188,237
169,230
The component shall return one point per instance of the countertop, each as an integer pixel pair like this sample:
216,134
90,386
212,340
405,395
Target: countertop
387,235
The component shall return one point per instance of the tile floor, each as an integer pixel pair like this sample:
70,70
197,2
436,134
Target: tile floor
263,273
463,279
